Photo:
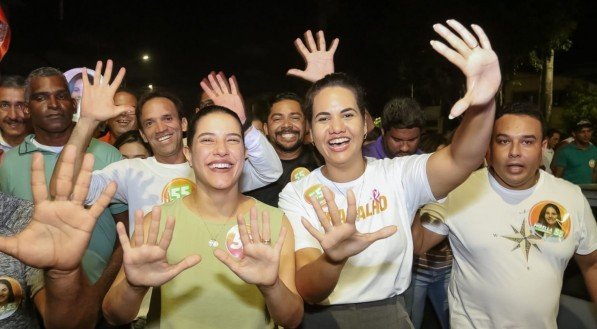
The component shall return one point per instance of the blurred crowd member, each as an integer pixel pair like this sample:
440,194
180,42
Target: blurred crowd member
285,129
431,270
51,234
124,122
577,161
493,224
13,112
402,124
51,109
250,276
352,216
553,138
131,145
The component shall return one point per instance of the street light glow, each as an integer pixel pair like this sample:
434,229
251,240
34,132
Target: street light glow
145,57
150,86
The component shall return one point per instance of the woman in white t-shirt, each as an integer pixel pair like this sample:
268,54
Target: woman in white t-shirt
352,216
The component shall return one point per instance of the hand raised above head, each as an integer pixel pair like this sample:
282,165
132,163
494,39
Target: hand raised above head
224,92
97,102
341,240
475,58
145,263
318,59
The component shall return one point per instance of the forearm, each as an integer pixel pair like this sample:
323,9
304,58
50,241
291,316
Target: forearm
122,302
263,165
80,138
590,276
285,307
70,301
316,280
472,137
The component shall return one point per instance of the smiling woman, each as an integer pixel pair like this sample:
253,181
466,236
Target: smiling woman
352,217
248,268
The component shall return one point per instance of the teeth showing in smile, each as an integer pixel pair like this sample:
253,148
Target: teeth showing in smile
164,138
220,165
338,141
288,136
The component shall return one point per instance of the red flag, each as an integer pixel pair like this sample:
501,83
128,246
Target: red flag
4,34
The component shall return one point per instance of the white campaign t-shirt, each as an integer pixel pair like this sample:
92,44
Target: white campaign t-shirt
508,266
388,193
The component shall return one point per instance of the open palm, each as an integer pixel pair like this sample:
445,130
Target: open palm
145,263
475,59
60,229
318,59
341,240
260,262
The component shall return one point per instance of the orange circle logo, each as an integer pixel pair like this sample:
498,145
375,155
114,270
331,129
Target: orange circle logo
11,296
177,188
550,221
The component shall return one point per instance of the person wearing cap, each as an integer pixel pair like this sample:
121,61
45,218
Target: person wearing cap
576,161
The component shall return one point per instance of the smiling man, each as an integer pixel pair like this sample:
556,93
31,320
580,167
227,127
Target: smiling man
509,264
285,129
576,162
13,113
51,108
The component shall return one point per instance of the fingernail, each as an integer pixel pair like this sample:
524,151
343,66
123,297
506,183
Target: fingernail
450,116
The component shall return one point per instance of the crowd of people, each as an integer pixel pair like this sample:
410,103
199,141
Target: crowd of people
301,220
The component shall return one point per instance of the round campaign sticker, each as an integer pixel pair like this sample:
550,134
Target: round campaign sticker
177,188
550,221
317,192
11,295
298,173
233,243
592,163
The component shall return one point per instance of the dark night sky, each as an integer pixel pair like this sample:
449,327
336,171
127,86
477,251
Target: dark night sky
252,39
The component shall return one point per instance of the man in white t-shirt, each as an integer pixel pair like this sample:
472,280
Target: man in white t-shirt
166,176
513,228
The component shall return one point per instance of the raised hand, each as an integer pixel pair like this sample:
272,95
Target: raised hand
97,102
145,263
260,261
60,229
341,240
319,59
224,92
475,59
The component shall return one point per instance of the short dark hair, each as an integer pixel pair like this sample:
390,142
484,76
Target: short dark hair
286,95
125,90
42,72
523,108
553,131
204,112
335,80
12,81
131,136
402,113
158,94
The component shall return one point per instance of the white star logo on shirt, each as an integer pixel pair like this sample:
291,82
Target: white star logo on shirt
523,237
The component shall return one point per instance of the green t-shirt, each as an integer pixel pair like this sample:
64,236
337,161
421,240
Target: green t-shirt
578,164
15,179
209,295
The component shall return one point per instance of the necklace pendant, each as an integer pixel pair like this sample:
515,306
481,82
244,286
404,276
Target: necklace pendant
213,243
